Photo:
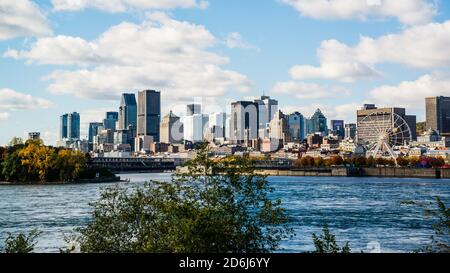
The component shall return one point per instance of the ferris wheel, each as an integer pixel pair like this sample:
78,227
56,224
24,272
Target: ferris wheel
380,134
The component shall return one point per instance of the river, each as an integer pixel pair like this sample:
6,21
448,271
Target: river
366,212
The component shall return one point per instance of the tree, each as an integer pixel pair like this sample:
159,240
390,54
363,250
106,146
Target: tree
326,242
371,161
380,161
319,162
440,241
15,141
359,161
336,160
22,243
213,206
402,161
12,168
436,162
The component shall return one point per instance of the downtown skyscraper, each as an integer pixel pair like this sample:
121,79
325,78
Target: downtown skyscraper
149,114
127,112
438,114
70,126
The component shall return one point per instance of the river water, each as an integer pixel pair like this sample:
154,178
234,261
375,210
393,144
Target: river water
366,212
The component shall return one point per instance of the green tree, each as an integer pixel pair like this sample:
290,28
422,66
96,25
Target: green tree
218,206
15,141
326,243
13,170
22,243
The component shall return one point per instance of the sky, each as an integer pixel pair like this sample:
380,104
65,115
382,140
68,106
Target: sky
59,56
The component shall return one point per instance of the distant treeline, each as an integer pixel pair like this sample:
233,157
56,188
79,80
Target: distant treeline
361,161
32,161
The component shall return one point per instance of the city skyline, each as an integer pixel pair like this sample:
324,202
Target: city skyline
310,57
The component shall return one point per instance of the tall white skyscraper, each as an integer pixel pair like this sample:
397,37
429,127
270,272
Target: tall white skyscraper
267,108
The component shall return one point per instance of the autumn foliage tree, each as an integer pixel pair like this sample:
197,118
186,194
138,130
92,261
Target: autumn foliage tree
35,162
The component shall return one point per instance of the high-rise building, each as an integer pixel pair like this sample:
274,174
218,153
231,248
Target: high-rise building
317,123
244,122
110,120
337,126
384,120
193,109
350,131
279,129
94,129
217,126
63,127
171,129
127,111
34,135
193,128
297,126
438,114
70,126
267,108
149,114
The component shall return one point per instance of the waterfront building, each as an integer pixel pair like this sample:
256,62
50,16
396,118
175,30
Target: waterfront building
317,123
34,135
337,127
384,120
314,140
432,139
110,120
70,126
347,145
171,129
143,143
244,122
438,114
297,126
330,143
350,131
149,114
127,111
267,108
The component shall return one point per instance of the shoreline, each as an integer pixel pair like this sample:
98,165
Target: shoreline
106,180
380,172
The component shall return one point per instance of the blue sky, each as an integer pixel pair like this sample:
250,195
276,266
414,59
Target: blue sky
60,56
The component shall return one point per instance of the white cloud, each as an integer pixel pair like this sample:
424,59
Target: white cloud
115,6
19,18
306,91
13,100
161,53
235,40
417,47
412,94
4,115
408,12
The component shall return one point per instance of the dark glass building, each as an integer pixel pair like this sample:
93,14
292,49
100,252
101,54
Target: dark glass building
127,111
110,121
438,114
296,123
70,126
149,114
